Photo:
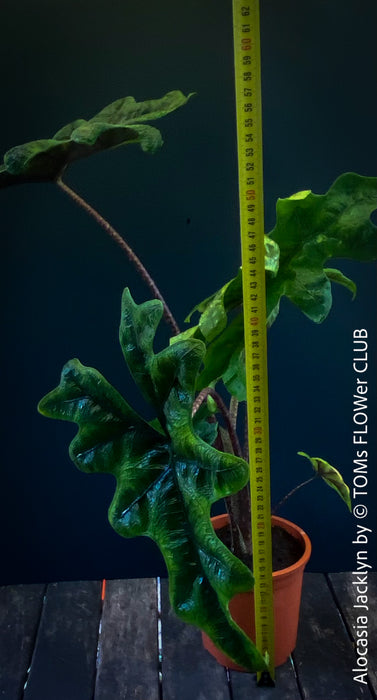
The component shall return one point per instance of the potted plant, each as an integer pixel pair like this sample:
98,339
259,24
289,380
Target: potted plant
170,470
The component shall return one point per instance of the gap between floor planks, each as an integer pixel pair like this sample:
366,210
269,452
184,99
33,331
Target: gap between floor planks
77,650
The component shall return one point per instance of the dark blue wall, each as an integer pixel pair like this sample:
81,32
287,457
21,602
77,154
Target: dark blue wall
61,278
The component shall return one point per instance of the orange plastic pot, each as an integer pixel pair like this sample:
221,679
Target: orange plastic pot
287,584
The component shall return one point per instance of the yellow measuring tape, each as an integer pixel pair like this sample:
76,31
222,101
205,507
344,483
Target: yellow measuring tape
250,173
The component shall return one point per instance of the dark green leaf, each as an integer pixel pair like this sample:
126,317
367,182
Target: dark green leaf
127,111
204,422
136,335
311,229
234,376
215,308
331,476
115,125
166,481
220,352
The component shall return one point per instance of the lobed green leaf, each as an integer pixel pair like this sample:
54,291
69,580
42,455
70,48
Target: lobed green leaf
214,310
309,230
167,475
115,125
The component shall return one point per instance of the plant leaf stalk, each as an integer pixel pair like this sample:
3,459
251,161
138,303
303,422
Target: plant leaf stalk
111,231
233,411
293,491
237,505
240,530
208,391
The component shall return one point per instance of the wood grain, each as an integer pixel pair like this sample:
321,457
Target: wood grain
78,651
188,671
128,647
64,659
20,609
324,655
345,589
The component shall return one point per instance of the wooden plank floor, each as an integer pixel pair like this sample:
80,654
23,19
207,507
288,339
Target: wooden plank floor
62,642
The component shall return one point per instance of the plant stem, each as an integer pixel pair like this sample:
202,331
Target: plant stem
237,545
237,505
288,495
238,508
233,411
110,230
224,412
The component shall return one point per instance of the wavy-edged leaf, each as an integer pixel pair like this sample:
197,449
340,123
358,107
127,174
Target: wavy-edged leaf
311,229
220,352
331,476
204,422
234,376
193,332
115,125
215,308
166,478
127,111
230,294
136,336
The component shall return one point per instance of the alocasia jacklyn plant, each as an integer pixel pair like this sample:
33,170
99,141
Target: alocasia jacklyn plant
169,471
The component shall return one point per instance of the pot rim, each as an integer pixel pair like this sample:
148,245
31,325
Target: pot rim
293,529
